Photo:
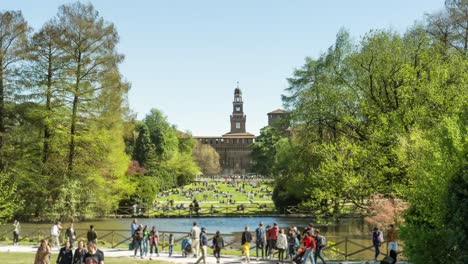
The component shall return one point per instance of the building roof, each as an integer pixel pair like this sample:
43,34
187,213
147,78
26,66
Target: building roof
238,135
278,111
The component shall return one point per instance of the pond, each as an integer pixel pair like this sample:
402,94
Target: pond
227,225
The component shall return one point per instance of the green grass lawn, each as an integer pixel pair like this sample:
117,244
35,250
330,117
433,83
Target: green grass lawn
239,197
28,258
260,202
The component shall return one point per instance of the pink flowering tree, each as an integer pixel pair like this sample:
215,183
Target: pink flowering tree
383,211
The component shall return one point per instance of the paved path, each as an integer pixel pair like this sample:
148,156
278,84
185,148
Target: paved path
176,258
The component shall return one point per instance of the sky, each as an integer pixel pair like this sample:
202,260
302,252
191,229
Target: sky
186,57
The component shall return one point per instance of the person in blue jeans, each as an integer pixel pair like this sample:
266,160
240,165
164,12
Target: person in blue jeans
146,236
260,240
309,244
171,243
137,241
319,243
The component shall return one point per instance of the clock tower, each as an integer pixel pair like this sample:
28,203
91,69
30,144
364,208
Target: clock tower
237,118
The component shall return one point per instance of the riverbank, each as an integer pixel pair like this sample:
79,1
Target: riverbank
125,256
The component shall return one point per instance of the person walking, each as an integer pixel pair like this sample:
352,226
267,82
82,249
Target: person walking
55,233
195,233
93,256
320,243
16,231
203,245
281,245
260,240
293,243
145,241
309,245
70,234
267,241
154,241
137,241
245,242
218,244
377,240
91,235
274,231
65,255
171,243
80,252
392,236
43,253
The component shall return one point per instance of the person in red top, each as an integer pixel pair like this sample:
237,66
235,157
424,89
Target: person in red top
273,236
309,244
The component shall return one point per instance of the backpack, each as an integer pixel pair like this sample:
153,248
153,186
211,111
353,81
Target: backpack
322,241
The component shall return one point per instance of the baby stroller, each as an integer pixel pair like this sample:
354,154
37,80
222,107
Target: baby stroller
298,258
186,246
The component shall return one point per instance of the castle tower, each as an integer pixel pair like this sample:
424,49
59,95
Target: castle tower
237,118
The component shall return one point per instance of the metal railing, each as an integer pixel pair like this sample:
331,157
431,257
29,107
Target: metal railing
337,248
167,211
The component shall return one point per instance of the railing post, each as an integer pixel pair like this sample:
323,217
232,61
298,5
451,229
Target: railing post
346,247
112,239
163,240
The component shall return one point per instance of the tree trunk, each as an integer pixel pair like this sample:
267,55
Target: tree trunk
45,150
72,146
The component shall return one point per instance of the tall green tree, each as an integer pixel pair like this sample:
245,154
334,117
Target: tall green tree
90,43
14,32
162,134
264,151
145,151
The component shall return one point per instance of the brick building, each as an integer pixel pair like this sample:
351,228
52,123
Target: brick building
234,147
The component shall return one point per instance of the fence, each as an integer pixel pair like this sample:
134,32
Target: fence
166,211
338,247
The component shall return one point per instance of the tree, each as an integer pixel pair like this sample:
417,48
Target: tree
46,74
163,136
9,199
207,159
264,151
13,40
90,45
145,151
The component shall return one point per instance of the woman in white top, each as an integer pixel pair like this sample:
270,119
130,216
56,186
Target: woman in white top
16,230
281,245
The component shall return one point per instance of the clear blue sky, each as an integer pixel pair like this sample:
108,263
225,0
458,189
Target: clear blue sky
185,57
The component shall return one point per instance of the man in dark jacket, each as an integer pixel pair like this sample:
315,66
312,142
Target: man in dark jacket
92,235
203,245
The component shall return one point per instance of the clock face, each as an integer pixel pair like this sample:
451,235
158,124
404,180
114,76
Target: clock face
238,108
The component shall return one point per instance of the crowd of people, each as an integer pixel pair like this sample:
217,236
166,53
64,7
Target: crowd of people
270,242
67,254
292,245
206,191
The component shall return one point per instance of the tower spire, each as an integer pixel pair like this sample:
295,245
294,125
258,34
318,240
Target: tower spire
237,118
